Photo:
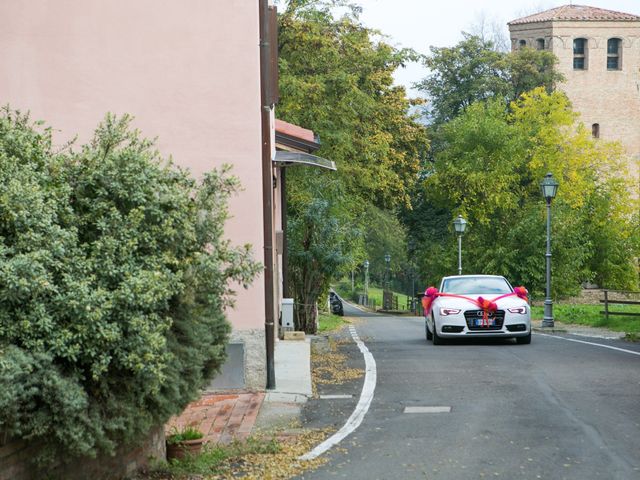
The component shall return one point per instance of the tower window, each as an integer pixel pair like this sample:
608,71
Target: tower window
613,54
595,130
540,44
522,43
580,48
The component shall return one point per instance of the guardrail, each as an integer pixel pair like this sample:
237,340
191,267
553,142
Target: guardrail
607,301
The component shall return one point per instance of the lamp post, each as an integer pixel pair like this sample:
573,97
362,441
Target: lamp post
366,282
549,188
387,259
460,224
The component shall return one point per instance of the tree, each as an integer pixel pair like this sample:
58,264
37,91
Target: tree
324,240
490,173
336,78
474,71
386,236
114,281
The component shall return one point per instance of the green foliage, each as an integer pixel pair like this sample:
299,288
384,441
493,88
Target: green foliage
336,78
490,172
212,458
328,322
474,71
322,240
113,284
385,235
589,315
188,433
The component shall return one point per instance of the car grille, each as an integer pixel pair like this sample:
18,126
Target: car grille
470,315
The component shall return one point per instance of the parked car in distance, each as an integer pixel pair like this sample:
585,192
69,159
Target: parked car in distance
455,312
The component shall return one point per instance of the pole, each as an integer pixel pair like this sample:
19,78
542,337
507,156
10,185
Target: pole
267,197
366,285
459,254
413,289
547,321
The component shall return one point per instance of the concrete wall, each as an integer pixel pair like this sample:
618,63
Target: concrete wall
188,72
608,98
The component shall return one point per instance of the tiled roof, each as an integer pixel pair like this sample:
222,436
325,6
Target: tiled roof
294,131
577,13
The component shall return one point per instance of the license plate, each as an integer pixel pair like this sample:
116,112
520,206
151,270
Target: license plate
479,322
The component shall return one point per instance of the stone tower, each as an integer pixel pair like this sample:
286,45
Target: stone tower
599,56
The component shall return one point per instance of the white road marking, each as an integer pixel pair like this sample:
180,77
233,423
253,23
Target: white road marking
335,397
427,409
591,343
366,396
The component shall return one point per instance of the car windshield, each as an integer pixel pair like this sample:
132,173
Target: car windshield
485,285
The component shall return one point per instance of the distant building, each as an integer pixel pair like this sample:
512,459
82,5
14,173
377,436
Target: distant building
599,56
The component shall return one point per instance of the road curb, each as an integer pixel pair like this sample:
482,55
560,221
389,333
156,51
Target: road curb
549,330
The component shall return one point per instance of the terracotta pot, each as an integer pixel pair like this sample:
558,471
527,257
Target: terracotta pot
185,448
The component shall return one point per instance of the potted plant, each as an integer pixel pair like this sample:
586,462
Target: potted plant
181,443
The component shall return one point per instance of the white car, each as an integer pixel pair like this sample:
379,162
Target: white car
456,310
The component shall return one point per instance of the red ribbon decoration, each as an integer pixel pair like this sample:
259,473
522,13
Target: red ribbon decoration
487,306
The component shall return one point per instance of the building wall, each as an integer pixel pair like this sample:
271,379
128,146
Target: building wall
608,98
188,72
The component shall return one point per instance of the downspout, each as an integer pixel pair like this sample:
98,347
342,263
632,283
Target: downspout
267,193
285,254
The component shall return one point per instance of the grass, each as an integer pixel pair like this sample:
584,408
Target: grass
590,315
212,458
258,458
328,322
375,293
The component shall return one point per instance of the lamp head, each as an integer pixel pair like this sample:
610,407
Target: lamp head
460,224
549,187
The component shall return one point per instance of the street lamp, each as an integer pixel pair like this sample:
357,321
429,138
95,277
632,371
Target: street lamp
549,188
366,282
460,224
387,297
387,259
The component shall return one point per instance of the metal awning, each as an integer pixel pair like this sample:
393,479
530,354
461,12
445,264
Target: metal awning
285,159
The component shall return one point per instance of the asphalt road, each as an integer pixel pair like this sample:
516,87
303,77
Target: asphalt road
554,409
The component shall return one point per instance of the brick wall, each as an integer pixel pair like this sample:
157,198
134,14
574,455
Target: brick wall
608,98
15,458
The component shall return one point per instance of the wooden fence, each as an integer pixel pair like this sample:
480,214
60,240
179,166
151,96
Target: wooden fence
618,297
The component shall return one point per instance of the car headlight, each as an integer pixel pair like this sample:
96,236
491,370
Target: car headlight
520,310
449,311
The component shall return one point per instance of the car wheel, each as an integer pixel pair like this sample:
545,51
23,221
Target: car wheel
437,339
429,334
524,340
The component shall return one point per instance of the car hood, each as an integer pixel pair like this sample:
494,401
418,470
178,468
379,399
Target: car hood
512,301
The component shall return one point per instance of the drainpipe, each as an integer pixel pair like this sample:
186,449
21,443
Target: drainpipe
267,193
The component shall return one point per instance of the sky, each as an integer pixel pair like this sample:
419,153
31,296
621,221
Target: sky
419,24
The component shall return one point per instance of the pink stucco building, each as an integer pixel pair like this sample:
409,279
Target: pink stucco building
190,74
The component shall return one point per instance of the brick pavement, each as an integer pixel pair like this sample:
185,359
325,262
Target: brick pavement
221,417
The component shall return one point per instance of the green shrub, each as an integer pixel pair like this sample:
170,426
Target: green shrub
188,433
114,278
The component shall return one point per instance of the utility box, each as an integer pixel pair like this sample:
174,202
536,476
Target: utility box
287,314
